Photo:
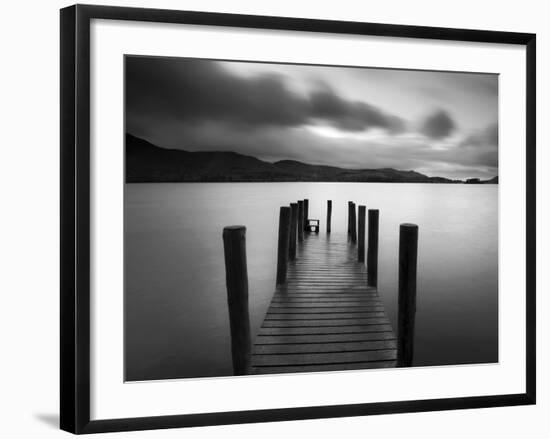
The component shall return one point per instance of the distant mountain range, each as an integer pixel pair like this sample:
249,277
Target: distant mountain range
147,163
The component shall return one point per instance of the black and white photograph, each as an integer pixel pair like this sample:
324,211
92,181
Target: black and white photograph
295,218
269,219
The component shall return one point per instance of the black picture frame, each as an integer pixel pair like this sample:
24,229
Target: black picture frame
75,217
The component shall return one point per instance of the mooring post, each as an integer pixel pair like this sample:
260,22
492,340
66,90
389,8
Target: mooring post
408,253
236,279
293,230
349,218
306,212
372,251
329,214
284,240
353,224
301,225
361,235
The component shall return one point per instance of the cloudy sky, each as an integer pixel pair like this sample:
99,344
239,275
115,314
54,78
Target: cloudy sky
437,123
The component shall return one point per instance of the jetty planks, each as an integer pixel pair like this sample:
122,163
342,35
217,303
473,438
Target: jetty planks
324,317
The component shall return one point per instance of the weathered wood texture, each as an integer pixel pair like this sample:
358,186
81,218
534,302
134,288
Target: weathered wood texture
324,317
293,230
284,240
349,217
300,220
353,224
361,234
408,250
372,252
306,211
236,276
329,215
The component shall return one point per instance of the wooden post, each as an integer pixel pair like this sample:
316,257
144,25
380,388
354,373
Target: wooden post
361,246
236,279
284,240
408,250
293,230
349,218
353,232
329,214
372,252
306,212
301,225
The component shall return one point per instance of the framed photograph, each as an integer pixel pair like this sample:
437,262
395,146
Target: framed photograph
268,218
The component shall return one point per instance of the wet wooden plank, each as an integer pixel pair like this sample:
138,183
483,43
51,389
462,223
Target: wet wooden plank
319,309
326,330
332,295
323,367
319,304
327,285
351,277
348,346
323,338
322,316
324,306
331,358
317,323
357,300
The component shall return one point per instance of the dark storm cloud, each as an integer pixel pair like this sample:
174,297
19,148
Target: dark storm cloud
196,90
438,125
484,138
351,116
199,91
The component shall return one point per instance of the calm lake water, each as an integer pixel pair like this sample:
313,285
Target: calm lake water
176,318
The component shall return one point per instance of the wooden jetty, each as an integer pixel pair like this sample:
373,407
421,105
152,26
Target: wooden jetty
324,317
325,314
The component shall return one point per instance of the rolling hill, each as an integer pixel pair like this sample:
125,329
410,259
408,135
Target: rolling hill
146,162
